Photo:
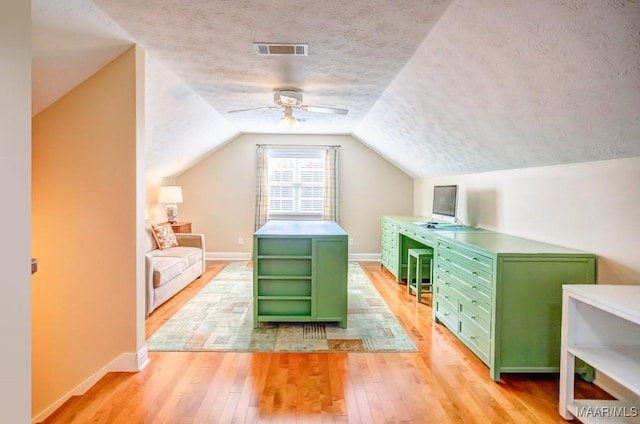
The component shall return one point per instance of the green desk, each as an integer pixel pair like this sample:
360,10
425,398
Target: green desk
401,233
300,272
501,295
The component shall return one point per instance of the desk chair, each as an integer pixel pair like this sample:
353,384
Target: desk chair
421,257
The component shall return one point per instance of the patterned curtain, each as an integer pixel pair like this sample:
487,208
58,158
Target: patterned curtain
331,188
262,188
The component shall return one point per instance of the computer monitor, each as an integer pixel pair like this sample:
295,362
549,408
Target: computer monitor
445,199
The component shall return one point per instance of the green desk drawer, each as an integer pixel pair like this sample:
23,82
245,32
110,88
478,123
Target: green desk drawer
446,314
476,338
426,239
446,294
444,278
466,257
476,291
472,275
390,235
475,310
453,275
388,246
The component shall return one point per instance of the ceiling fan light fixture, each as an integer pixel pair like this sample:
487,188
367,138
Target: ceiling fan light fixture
288,121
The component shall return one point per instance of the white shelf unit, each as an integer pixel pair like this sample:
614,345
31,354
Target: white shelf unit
601,326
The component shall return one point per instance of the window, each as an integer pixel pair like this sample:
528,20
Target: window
296,183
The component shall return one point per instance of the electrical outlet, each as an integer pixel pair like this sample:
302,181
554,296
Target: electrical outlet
240,241
350,241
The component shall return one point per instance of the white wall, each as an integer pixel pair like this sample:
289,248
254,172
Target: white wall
15,210
219,193
591,206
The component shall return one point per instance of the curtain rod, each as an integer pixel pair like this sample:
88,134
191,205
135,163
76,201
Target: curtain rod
298,146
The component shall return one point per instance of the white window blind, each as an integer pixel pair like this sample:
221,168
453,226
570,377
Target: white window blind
296,183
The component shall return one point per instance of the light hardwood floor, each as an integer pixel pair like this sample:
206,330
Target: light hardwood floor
442,383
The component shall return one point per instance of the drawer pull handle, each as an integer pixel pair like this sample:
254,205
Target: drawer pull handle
475,259
473,317
472,337
474,287
474,302
448,260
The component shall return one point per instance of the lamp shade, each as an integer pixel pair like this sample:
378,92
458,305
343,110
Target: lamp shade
170,194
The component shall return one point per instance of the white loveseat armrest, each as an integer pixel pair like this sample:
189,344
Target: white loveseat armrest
193,240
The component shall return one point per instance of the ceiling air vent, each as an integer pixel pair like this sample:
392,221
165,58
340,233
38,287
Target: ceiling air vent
281,49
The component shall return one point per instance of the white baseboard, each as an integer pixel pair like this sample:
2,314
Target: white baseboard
228,256
364,257
126,362
246,256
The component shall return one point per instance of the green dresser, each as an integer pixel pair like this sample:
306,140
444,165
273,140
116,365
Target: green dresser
300,272
501,295
389,247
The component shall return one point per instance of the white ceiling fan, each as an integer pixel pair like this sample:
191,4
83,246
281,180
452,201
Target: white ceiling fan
288,100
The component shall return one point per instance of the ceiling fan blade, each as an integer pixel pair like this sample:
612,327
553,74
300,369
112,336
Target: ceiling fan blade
324,109
253,108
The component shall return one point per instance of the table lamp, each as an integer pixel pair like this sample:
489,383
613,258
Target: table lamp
170,196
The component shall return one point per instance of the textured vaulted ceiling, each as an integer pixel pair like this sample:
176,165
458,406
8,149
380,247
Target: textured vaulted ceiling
436,87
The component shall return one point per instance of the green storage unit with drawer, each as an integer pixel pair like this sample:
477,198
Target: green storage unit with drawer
300,272
389,245
502,296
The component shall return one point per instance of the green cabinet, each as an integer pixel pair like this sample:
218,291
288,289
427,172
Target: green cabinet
500,295
300,272
389,245
329,278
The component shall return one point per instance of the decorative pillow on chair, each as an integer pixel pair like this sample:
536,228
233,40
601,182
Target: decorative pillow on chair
164,235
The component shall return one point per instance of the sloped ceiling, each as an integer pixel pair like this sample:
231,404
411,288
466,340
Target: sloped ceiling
436,87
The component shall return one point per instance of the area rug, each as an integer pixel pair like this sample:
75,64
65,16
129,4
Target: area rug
220,318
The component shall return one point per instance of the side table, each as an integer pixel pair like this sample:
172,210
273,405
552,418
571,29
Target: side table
181,227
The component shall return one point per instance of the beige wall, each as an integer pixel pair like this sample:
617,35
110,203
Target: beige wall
15,211
589,206
87,224
219,192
